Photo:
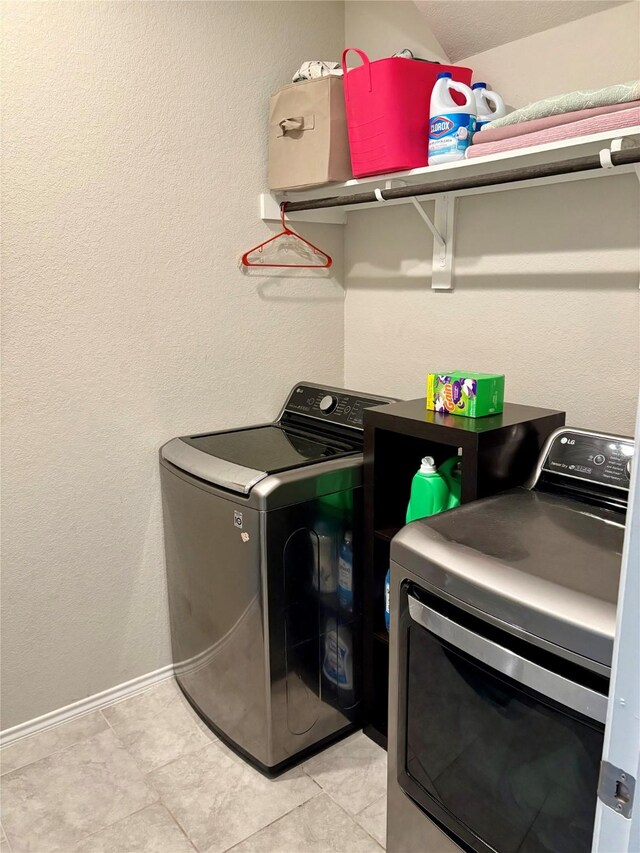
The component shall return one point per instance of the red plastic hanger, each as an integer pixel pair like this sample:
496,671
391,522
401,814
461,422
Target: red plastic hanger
263,261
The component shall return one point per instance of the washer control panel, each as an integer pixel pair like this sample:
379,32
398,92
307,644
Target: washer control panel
589,456
345,408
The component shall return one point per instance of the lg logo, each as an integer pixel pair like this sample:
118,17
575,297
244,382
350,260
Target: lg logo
565,440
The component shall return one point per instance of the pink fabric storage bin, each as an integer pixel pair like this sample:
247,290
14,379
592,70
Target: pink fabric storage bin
387,105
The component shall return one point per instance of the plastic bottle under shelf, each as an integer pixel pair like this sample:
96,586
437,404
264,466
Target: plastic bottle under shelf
338,661
387,592
325,545
345,572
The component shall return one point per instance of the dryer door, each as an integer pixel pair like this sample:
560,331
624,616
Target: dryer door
493,742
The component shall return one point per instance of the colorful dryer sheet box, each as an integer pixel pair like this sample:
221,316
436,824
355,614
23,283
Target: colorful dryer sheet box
472,395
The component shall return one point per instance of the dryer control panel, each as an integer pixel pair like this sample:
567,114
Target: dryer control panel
589,457
335,405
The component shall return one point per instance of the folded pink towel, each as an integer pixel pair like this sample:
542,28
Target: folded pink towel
491,134
597,124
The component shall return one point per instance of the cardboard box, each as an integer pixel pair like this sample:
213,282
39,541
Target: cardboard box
459,392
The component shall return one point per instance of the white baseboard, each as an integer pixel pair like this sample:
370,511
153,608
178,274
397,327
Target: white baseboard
83,706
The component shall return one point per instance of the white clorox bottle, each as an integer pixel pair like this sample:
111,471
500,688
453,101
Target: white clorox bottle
489,105
451,125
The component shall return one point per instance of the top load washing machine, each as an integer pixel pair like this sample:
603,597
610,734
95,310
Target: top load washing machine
503,617
264,622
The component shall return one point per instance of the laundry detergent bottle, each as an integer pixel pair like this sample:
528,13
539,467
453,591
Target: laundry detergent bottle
450,125
325,544
387,604
345,572
429,492
338,658
489,105
450,470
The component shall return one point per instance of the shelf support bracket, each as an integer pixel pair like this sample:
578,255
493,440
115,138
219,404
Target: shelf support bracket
442,230
443,242
270,212
421,211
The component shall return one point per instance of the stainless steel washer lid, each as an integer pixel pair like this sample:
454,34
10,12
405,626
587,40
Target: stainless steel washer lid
545,564
210,468
238,459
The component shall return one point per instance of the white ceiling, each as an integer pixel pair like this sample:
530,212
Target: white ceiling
467,27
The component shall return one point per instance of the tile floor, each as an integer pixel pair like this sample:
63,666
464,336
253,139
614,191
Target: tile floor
146,776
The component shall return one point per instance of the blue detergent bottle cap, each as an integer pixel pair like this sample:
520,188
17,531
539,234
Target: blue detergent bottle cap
444,74
479,86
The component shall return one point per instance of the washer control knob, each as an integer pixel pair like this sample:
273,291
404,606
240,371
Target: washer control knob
328,404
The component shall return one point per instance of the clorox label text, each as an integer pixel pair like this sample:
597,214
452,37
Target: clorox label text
440,125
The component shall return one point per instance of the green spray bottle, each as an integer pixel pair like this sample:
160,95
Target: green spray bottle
433,490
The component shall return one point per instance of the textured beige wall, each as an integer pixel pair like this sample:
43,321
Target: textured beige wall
382,27
546,279
598,50
134,152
